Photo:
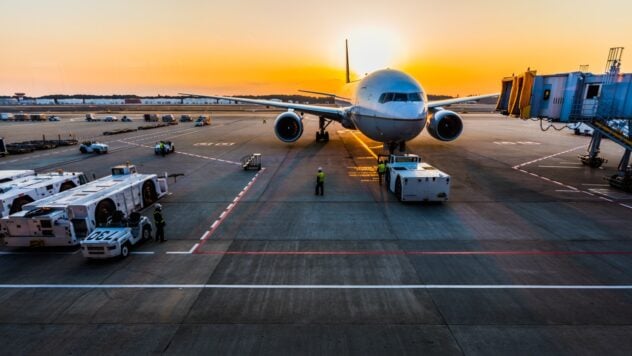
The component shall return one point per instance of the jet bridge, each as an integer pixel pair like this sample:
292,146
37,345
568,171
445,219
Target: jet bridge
601,101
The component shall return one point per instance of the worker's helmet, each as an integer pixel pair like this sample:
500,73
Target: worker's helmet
320,169
158,207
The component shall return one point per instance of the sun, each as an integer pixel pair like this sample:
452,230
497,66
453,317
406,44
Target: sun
372,49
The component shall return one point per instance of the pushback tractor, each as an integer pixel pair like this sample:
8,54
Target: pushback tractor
412,180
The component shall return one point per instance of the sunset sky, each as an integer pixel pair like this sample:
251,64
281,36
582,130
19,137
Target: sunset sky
151,47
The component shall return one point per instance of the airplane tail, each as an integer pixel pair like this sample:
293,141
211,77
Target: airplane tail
348,78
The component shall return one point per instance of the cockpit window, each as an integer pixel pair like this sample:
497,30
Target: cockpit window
386,97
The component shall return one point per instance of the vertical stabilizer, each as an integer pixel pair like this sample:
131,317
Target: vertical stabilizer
347,61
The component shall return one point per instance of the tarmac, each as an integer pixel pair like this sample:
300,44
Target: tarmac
532,254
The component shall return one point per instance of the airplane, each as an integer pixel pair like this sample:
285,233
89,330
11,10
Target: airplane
388,106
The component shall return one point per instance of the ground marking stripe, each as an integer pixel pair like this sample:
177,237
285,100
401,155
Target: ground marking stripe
320,286
421,253
364,145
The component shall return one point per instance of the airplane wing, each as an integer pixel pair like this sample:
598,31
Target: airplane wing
434,104
336,114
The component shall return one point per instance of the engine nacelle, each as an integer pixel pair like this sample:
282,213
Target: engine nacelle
288,127
445,125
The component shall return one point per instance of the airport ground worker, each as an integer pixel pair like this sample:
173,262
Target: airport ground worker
320,182
162,148
381,169
159,221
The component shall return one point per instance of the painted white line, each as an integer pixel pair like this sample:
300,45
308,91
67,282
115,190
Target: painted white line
626,206
215,224
142,252
320,286
560,167
221,216
230,206
567,191
606,199
596,185
205,235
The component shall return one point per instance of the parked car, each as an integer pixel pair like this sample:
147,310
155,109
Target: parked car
5,116
90,117
168,118
54,118
110,119
126,119
186,118
93,147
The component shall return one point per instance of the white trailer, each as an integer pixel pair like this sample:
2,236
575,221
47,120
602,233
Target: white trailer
21,191
65,218
9,175
412,180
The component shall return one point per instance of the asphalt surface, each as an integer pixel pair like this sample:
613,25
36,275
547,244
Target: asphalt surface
531,255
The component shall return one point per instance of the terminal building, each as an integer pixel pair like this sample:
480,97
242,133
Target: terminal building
601,101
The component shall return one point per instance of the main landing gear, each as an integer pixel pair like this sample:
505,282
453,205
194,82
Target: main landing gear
321,134
392,146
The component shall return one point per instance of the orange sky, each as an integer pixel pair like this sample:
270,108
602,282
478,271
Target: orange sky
151,47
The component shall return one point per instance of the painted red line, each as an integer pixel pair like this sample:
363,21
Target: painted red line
404,253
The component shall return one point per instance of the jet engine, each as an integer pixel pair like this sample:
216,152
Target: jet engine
288,126
445,125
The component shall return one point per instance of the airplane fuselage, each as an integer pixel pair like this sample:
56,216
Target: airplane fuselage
387,106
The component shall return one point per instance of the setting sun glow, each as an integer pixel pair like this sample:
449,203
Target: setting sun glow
252,47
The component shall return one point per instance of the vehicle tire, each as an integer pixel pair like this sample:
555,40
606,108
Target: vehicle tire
146,233
327,136
83,150
19,203
387,178
398,188
104,210
125,250
149,193
66,186
173,149
577,132
97,152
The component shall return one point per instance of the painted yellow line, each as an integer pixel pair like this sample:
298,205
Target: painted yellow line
364,145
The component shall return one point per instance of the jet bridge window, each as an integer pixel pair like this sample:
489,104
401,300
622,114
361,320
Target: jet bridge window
593,91
386,97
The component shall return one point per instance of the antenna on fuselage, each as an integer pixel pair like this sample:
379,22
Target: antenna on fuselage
347,60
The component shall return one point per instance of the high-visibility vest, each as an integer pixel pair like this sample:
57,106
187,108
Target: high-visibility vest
381,168
320,177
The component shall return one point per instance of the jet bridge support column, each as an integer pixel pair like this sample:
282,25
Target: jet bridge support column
623,178
592,159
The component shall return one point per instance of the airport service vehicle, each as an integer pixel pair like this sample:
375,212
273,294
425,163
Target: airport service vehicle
203,120
90,117
18,192
54,118
388,106
20,117
38,117
126,119
93,147
169,147
117,238
581,129
9,175
168,118
412,180
68,217
150,117
110,119
186,118
5,116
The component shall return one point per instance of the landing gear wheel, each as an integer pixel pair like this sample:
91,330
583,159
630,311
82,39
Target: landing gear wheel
387,178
